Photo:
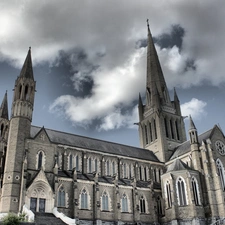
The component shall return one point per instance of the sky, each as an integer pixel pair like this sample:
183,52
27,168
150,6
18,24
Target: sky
89,60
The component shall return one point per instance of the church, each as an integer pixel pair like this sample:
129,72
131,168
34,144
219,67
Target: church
169,180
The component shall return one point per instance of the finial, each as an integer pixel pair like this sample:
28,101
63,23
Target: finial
29,48
147,22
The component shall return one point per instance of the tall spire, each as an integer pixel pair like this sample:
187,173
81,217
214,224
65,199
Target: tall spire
154,70
4,108
27,69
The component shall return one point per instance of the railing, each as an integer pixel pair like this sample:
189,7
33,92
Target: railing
29,214
63,217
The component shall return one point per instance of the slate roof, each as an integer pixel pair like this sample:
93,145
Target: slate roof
178,165
185,147
73,140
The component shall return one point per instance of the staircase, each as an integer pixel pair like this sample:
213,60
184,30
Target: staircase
47,219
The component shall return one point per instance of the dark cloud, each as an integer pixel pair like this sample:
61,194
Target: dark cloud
166,40
174,38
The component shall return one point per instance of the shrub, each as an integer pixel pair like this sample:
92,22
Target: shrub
11,219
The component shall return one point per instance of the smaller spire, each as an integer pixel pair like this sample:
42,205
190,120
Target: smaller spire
140,100
192,125
4,108
27,69
176,99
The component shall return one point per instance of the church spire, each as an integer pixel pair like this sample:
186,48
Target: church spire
154,71
4,108
27,69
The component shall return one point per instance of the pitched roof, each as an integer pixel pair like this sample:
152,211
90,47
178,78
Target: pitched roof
178,165
73,140
186,146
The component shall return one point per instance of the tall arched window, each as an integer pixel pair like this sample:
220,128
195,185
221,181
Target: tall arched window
142,205
61,197
40,159
105,201
140,173
1,131
77,163
89,165
113,168
107,168
168,194
124,203
195,189
220,170
146,134
70,162
181,192
26,96
84,199
124,170
96,165
159,205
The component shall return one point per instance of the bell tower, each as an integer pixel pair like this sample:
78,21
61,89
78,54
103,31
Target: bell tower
19,130
161,125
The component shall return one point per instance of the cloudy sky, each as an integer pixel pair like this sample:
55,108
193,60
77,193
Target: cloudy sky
89,60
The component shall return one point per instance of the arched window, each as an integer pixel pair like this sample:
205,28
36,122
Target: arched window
105,201
142,205
20,92
177,130
166,127
77,163
146,134
89,165
70,162
159,205
220,170
2,129
96,165
195,189
124,203
155,129
107,168
40,159
84,199
113,168
140,173
171,129
124,170
61,197
168,194
26,96
181,192
150,132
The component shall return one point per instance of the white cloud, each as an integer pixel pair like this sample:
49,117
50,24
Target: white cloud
195,108
112,91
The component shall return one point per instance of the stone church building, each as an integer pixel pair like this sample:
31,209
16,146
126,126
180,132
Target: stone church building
168,180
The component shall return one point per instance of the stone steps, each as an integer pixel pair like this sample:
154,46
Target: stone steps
47,219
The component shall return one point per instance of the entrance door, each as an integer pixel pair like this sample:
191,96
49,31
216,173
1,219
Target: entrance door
33,204
41,205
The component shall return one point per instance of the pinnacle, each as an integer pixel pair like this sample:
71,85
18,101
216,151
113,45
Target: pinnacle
192,125
27,69
4,108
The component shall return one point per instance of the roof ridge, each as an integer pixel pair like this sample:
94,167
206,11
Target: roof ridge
96,139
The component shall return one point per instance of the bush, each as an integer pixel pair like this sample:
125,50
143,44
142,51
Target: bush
11,219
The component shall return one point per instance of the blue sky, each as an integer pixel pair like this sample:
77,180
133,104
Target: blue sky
89,60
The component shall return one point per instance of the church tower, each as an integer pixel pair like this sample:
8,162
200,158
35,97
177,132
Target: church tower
19,130
161,126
